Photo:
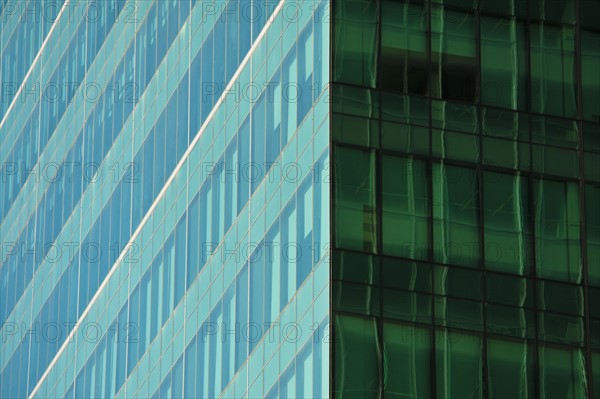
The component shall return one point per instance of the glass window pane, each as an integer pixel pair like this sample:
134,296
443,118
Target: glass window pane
506,223
455,215
453,55
556,207
404,48
592,220
510,369
355,42
553,70
562,373
407,358
503,63
355,215
405,207
357,358
458,365
590,77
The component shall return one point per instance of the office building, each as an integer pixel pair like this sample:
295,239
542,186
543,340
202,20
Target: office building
466,242
161,199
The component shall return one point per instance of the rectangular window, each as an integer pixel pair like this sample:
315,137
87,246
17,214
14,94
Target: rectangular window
404,48
562,373
553,87
506,223
407,371
514,362
456,215
453,55
405,207
357,357
503,63
557,243
590,77
458,365
355,197
355,42
592,220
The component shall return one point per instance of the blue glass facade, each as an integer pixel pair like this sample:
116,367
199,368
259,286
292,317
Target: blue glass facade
164,199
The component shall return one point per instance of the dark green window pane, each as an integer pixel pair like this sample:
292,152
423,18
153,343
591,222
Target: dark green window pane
504,7
464,4
404,48
506,223
407,306
596,370
355,42
458,365
505,153
590,9
357,358
355,130
356,298
562,373
592,166
458,282
406,362
590,75
555,161
553,10
510,369
509,290
595,333
454,116
410,139
405,207
505,124
510,321
354,101
592,220
459,313
556,206
453,55
553,70
355,267
561,329
406,275
455,215
554,131
404,109
451,145
562,298
591,136
355,213
503,63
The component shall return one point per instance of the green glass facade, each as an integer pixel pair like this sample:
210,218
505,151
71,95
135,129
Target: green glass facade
466,192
